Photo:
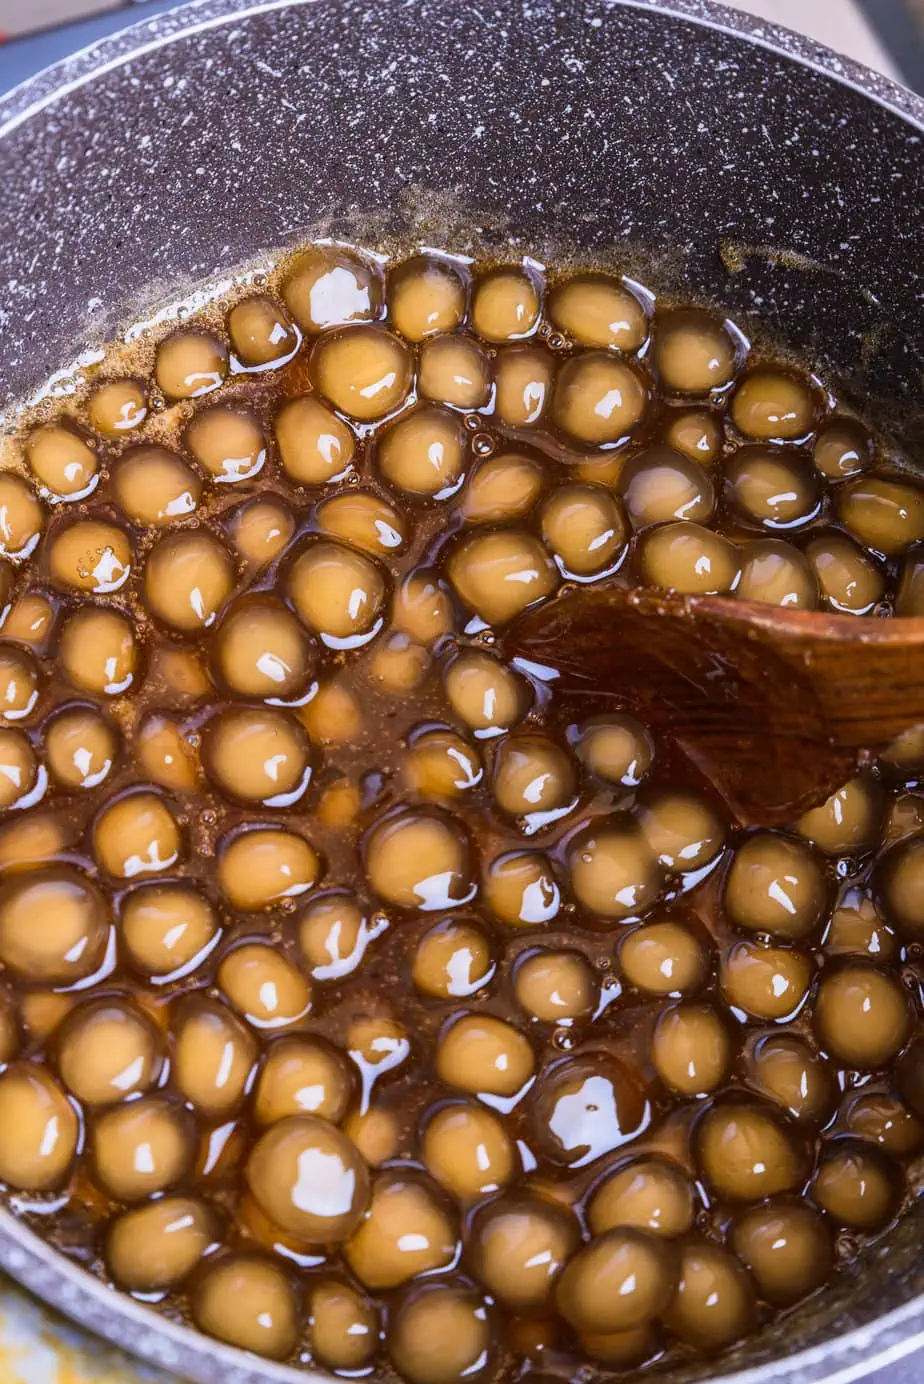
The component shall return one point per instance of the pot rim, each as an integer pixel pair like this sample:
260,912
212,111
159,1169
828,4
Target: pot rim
33,1262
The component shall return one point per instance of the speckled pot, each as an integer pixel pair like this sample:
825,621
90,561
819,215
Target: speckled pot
715,155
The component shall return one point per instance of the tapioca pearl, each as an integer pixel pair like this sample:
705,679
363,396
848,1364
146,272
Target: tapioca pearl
308,1177
154,1248
787,1247
117,407
556,987
691,1049
263,986
883,514
617,750
502,489
228,443
468,1150
41,1014
523,377
486,694
303,1076
858,928
910,1076
136,835
682,830
258,755
155,487
344,1325
906,751
39,1129
89,555
189,364
598,400
365,372
843,449
850,580
774,489
187,579
30,620
62,462
376,1132
599,310
424,453
35,839
443,1333
407,1231
422,607
338,592
425,296
315,446
614,873
746,1153
882,1119
659,485
179,673
648,1194
900,883
454,370
664,958
11,1023
166,929
770,404
164,753
214,1058
54,926
776,885
588,1106
765,982
858,1186
904,817
18,767
622,1349
22,517
108,1050
249,1303
685,557
849,821
715,1303
340,805
141,1147
775,573
98,652
622,1279
261,331
398,665
518,1247
585,528
482,1055
334,716
693,352
909,595
330,285
364,520
697,434
502,573
441,764
506,304
453,959
532,774
861,1016
787,1070
332,936
261,529
419,860
262,867
521,890
262,650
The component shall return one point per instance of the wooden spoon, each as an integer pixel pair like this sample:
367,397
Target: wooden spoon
773,706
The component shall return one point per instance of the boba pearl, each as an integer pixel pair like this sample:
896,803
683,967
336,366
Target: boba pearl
861,1016
54,926
502,489
485,1056
485,693
422,607
164,753
136,835
597,310
588,1106
849,821
262,651
425,296
407,1231
746,1153
691,1049
772,489
909,597
506,305
715,1302
167,929
886,1121
647,1194
454,370
556,987
521,890
30,620
10,1026
248,1303
39,1130
108,1051
850,580
858,1186
97,651
338,592
18,767
398,665
585,529
618,750
765,982
785,1069
22,517
468,1151
622,1349
36,839
214,1058
344,1326
523,378
777,886
142,1147
364,520
315,446
376,1132
788,1249
365,372
858,928
659,485
261,529
910,1076
769,404
598,399
303,1076
614,873
117,407
904,817
696,434
901,887
179,673
621,1279
442,764
518,1247
329,285
682,831
333,936
334,715
532,775
423,454
843,449
153,1248
664,958
189,364
885,515
263,866
261,331
419,860
61,461
155,487
258,755
309,1179
187,579
693,353
442,1334
227,442
687,558
90,556
453,959
775,573
263,986
377,1044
